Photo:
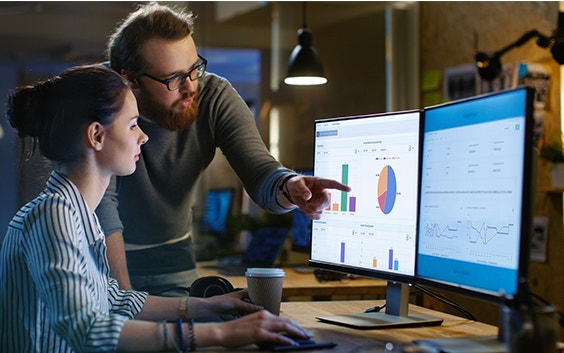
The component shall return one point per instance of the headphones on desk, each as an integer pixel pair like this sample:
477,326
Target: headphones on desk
209,286
204,287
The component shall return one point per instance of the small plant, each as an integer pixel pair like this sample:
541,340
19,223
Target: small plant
553,151
242,221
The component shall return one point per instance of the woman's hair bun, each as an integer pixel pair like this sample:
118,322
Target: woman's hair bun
57,111
25,109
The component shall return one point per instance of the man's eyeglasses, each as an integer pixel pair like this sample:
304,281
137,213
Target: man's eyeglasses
175,82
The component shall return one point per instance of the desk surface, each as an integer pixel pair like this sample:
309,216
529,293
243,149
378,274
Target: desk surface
305,284
368,341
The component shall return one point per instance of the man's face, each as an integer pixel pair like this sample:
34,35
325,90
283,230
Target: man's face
173,110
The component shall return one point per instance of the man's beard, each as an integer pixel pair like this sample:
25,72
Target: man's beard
164,116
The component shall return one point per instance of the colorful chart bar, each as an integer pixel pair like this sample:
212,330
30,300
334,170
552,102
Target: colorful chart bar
347,203
344,180
352,204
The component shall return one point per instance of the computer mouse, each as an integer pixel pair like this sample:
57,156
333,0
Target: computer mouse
302,344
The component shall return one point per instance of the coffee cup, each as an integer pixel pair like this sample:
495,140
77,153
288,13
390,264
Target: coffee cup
265,287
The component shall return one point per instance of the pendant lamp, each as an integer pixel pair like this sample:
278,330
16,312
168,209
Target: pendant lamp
305,67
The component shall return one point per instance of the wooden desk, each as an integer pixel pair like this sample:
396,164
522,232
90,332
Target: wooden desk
353,340
305,285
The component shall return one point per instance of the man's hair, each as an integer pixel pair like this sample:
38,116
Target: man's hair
148,21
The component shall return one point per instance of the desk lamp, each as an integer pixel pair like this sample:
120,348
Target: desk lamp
489,67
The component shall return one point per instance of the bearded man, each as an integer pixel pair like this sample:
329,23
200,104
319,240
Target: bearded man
187,113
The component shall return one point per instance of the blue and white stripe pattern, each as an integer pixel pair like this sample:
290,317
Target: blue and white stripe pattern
55,291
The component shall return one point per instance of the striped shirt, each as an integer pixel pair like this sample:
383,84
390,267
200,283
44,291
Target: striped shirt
55,291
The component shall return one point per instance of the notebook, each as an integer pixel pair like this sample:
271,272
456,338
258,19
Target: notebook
263,250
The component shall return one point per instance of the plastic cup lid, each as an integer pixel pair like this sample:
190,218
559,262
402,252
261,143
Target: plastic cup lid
265,272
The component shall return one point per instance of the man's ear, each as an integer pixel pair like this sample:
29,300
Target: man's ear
95,135
130,78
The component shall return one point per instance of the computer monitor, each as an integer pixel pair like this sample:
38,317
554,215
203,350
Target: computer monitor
450,208
371,231
475,212
217,209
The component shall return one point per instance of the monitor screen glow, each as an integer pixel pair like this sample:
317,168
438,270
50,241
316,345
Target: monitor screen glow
474,213
217,209
372,228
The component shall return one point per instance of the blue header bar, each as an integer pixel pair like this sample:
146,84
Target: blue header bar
476,110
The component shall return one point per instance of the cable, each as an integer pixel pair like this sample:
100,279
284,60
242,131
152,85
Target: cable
375,309
446,300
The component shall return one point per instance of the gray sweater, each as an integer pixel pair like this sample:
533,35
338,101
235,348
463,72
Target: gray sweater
153,205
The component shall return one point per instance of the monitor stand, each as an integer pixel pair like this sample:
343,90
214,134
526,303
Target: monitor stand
396,315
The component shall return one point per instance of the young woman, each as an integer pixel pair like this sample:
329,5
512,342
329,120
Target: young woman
55,291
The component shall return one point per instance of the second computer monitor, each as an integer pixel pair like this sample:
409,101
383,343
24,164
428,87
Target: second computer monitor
475,214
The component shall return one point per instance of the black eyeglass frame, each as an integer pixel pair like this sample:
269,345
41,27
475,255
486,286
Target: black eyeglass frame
202,63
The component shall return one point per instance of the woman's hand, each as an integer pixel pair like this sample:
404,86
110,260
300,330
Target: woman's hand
234,303
258,327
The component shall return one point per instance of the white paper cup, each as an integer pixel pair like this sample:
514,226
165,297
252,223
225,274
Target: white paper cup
265,287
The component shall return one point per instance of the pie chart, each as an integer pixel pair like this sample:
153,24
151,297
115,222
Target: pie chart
387,189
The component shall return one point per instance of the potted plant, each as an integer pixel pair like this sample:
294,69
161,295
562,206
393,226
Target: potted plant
553,152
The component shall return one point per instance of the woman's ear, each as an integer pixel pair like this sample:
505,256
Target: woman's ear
130,78
95,134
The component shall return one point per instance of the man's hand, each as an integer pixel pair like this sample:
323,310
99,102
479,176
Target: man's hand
311,193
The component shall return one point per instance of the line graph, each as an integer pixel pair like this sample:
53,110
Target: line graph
482,234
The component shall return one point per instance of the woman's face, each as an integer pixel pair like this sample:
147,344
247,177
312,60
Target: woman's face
123,140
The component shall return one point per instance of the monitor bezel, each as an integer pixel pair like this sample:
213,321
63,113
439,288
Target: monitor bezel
527,202
360,271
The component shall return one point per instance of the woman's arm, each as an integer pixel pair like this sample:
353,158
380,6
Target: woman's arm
169,308
262,326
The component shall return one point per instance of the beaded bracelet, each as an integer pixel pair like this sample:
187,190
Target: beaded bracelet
191,336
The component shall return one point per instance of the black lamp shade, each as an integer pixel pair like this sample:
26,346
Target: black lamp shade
557,50
305,67
489,67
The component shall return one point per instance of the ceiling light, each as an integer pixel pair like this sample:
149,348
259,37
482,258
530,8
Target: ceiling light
305,67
